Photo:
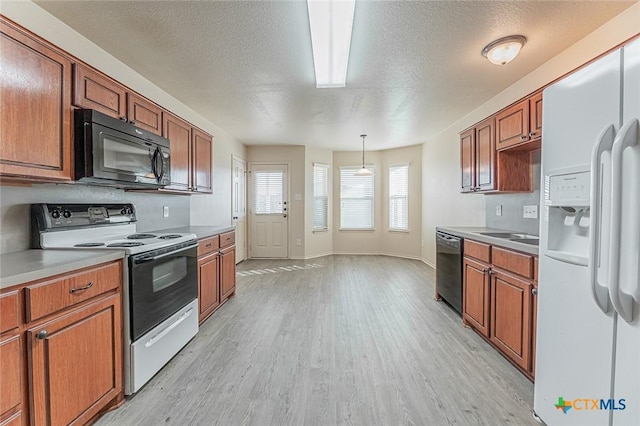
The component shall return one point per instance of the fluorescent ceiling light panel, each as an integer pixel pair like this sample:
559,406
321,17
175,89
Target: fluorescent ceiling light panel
331,22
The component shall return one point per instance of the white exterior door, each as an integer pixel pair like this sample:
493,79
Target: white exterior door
268,211
239,207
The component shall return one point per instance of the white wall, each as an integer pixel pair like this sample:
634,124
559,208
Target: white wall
318,243
381,240
404,244
294,157
442,202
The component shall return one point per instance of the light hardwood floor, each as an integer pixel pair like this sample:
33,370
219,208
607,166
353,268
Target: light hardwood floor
357,340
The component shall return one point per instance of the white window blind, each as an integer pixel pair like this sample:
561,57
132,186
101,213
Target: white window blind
399,198
320,197
356,199
268,187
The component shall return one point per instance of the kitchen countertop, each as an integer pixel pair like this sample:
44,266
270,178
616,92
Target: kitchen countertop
30,265
472,233
200,231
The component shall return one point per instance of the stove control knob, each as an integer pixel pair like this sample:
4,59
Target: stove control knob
129,210
123,212
55,214
66,214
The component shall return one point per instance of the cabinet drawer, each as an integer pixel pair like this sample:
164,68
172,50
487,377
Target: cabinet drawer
227,239
208,245
477,250
45,298
9,311
518,263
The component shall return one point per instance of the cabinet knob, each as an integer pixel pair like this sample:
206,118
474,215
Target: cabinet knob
235,218
523,137
132,121
534,291
42,334
490,272
123,118
532,134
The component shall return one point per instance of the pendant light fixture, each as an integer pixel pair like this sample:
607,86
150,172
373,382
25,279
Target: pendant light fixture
504,50
363,171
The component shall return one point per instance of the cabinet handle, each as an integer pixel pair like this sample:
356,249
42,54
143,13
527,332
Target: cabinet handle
532,134
523,137
123,118
208,245
235,218
42,334
86,287
132,121
534,291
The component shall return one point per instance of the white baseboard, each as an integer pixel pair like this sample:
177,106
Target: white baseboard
428,263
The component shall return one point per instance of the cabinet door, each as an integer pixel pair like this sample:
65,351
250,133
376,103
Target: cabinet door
144,113
485,155
535,116
75,363
36,129
512,125
202,158
475,295
96,91
10,374
179,134
209,291
467,159
511,317
227,272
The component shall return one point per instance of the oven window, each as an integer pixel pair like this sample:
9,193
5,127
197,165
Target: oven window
169,273
121,156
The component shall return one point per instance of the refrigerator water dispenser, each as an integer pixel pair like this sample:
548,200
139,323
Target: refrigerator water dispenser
567,194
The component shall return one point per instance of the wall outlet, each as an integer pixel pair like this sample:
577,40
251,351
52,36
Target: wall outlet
165,211
298,242
530,211
499,210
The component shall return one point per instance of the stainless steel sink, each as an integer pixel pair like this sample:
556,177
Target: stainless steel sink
530,241
499,234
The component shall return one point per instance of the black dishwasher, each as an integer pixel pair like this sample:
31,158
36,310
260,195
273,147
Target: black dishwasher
449,269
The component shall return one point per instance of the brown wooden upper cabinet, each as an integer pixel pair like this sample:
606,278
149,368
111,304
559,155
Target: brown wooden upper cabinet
36,130
191,155
520,123
94,90
478,157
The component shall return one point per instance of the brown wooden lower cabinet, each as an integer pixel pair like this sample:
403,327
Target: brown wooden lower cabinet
500,303
76,363
71,349
216,272
475,298
511,317
209,290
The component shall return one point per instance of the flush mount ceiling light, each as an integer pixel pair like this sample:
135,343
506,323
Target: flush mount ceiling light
504,50
363,171
331,22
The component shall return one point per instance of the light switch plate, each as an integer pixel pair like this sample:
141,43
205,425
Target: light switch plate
530,211
499,210
165,211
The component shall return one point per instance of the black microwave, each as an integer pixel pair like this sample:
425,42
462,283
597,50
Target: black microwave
115,153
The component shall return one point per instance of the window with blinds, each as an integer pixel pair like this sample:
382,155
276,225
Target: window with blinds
399,198
356,199
268,187
320,197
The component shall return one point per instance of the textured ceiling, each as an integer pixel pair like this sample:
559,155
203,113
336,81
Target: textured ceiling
415,66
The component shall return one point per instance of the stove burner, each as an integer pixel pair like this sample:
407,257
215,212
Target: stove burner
169,237
126,244
140,236
89,245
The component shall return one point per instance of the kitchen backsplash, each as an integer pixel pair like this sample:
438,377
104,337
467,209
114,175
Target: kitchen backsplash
15,202
512,206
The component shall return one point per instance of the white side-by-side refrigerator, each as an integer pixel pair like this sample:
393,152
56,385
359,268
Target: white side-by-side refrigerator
588,330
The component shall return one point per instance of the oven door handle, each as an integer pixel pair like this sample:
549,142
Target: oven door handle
160,256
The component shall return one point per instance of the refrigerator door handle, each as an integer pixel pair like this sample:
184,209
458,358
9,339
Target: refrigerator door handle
604,143
628,136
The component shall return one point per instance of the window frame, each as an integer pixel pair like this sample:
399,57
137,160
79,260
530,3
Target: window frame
326,196
389,198
354,169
